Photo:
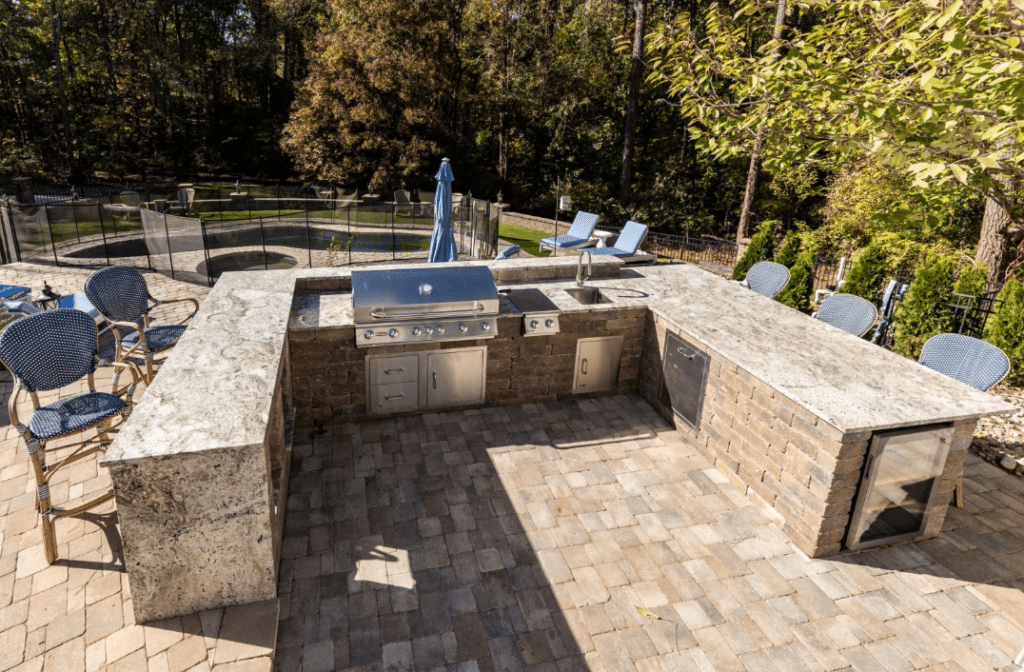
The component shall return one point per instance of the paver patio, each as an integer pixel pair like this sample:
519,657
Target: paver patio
531,537
520,538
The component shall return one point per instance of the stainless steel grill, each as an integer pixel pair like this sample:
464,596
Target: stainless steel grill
423,305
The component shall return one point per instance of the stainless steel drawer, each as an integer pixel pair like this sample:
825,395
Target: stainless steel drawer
402,369
395,396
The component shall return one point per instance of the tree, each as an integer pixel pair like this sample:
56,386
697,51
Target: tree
761,248
790,250
636,71
868,273
797,292
934,88
1004,328
925,310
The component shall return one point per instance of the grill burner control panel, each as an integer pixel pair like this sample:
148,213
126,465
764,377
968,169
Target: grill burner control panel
426,332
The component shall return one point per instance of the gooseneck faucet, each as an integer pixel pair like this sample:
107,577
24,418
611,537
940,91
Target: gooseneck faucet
580,278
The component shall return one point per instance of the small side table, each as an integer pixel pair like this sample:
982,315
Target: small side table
369,199
602,237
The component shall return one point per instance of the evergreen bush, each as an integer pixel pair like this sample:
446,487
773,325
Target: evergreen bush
924,311
797,294
1005,329
790,250
867,275
971,282
762,246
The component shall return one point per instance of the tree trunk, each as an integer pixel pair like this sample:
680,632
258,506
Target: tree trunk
994,242
743,230
636,71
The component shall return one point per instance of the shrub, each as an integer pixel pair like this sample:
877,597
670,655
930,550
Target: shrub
868,273
797,294
1004,329
762,245
925,309
790,250
971,282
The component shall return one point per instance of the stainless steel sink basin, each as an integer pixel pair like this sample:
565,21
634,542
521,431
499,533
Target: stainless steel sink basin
588,295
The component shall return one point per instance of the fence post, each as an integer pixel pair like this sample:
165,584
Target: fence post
170,252
309,241
263,240
206,251
348,227
74,212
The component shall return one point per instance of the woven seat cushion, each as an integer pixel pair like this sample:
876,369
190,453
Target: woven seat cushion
157,338
73,414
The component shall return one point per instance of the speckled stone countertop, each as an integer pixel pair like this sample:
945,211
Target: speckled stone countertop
216,387
848,382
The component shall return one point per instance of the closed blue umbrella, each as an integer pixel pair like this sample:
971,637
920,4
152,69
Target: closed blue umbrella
442,241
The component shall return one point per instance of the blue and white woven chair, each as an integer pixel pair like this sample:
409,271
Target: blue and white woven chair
48,351
766,278
976,363
848,312
578,236
628,242
121,296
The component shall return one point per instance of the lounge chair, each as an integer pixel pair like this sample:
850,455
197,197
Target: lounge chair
49,351
766,278
633,233
403,205
12,292
578,236
976,363
509,252
850,313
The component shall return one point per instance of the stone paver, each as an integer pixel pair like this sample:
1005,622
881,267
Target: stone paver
587,535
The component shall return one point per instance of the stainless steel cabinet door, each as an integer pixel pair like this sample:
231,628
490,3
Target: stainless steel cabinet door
597,364
456,377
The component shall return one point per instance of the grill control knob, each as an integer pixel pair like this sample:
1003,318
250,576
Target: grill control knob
486,326
463,328
393,333
416,331
429,330
368,334
440,330
549,323
533,324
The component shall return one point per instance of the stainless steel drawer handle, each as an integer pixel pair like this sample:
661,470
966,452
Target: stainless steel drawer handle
390,371
683,353
394,398
435,379
583,366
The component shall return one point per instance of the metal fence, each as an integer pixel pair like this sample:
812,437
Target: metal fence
196,233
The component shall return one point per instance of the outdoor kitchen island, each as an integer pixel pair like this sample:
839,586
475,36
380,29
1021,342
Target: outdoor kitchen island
787,409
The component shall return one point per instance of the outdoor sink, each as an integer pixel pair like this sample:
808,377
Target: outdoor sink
588,295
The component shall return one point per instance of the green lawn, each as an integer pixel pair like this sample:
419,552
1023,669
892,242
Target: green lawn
528,239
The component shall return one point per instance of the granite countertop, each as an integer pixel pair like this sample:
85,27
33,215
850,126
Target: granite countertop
215,389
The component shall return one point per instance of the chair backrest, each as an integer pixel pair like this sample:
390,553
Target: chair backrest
848,312
767,278
633,233
509,252
51,349
402,197
976,363
119,293
583,225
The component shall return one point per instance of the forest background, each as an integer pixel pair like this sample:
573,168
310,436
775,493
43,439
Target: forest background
847,123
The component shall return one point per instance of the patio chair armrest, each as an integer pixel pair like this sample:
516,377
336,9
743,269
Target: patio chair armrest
125,392
116,327
194,302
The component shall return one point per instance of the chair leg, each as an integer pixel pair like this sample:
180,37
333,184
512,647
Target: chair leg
49,538
149,368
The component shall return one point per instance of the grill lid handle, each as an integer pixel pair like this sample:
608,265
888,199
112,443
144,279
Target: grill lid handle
477,307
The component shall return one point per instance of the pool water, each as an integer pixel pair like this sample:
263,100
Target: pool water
248,260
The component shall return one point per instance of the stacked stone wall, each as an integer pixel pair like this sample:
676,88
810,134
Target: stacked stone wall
803,471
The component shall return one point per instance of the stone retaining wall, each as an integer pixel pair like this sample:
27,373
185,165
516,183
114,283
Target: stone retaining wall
802,471
536,223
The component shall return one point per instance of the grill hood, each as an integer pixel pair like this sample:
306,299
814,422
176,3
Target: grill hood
414,293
